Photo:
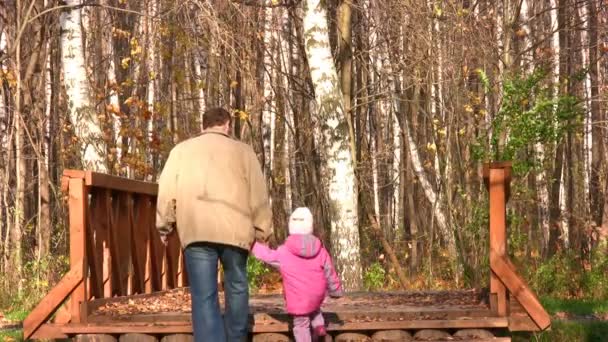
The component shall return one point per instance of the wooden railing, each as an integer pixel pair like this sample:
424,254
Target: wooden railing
115,249
508,290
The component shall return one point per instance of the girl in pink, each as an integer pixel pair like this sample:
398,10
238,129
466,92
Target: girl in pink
308,275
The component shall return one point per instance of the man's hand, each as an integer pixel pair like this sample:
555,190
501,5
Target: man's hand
164,239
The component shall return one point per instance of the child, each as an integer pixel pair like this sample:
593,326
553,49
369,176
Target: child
308,274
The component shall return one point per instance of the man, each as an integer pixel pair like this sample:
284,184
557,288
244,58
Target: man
213,191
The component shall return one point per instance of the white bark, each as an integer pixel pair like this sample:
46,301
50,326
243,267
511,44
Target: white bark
587,130
542,195
198,73
563,208
82,115
375,80
152,81
345,233
376,188
555,44
446,233
267,114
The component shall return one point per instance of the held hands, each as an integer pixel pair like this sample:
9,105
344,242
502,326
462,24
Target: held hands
164,239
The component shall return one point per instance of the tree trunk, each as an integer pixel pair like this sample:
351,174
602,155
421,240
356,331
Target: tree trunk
16,257
82,116
447,234
542,196
597,143
342,191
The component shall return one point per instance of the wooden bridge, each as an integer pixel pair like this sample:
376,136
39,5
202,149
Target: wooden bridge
123,283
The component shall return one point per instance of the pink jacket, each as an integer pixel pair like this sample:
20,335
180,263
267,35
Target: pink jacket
307,271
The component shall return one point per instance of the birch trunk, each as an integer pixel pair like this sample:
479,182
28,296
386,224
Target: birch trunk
82,115
603,238
344,231
44,194
270,36
598,153
430,193
16,257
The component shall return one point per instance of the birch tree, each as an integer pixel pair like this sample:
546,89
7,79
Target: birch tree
81,113
342,192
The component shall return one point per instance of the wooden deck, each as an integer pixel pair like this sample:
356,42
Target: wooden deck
168,312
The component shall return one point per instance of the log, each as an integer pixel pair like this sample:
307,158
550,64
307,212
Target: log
352,337
178,338
270,337
431,335
137,338
392,256
474,334
94,338
392,336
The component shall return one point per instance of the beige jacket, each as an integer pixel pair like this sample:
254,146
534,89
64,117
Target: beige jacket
213,190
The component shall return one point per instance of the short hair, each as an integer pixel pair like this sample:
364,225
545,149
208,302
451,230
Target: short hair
216,116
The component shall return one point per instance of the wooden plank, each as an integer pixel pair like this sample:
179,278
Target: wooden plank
105,181
186,327
117,223
172,261
107,239
139,239
182,275
53,300
518,288
48,331
498,233
494,322
69,173
126,243
263,318
157,251
95,233
78,203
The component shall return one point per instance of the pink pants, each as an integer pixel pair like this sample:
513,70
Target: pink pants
302,325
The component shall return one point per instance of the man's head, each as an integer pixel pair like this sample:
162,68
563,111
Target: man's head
217,117
300,221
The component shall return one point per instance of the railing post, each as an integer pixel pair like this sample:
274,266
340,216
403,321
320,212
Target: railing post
77,203
497,177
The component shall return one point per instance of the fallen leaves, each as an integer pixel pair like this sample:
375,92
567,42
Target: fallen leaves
178,301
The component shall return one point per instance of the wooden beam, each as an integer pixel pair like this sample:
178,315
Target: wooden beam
105,181
53,300
48,331
498,234
518,288
186,327
74,173
78,207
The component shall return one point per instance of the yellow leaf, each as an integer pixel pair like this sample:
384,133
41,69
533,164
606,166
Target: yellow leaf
234,84
243,115
468,108
129,100
441,131
461,131
125,62
431,147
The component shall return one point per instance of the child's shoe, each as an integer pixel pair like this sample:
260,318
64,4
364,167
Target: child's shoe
319,331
